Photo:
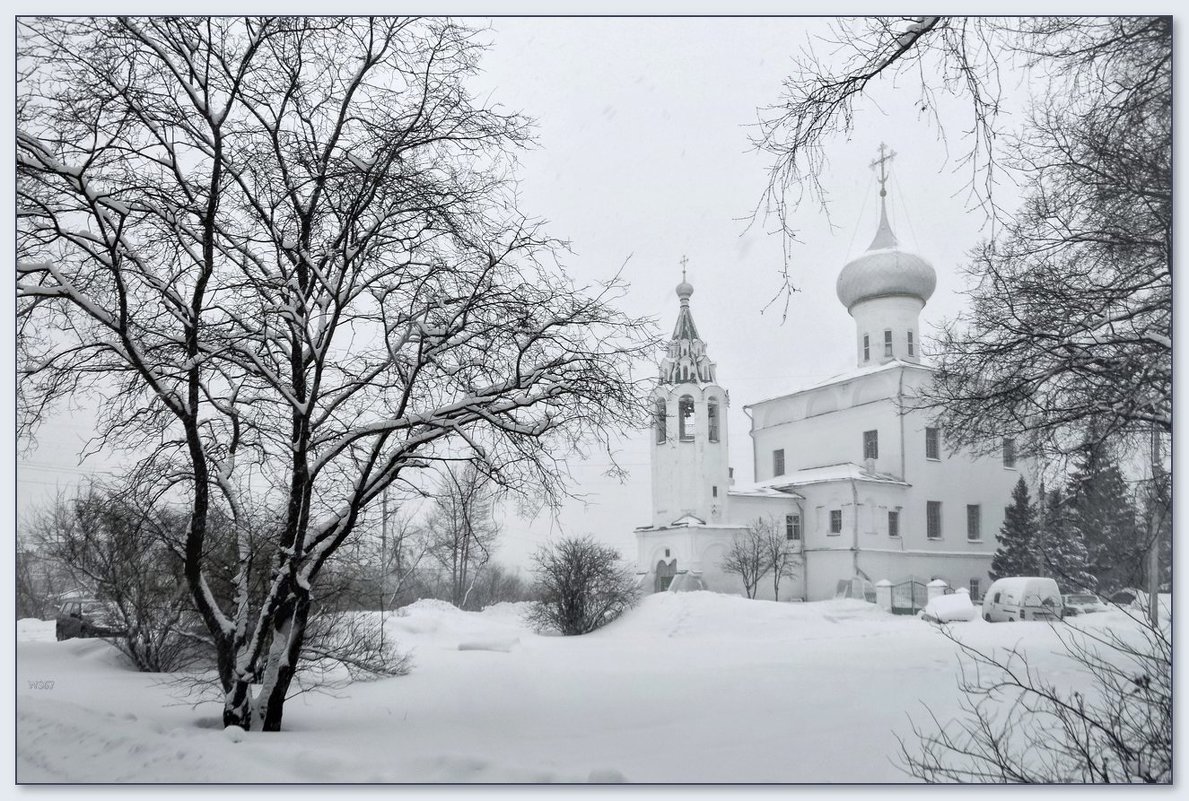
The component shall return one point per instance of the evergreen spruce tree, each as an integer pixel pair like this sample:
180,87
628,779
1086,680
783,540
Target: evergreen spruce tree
1064,555
1016,556
1102,511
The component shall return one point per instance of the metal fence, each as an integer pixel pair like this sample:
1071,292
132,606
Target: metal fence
909,597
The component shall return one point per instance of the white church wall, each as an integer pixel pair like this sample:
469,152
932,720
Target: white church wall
746,509
831,438
957,480
823,570
956,570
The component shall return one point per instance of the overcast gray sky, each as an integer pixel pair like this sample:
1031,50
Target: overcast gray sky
643,158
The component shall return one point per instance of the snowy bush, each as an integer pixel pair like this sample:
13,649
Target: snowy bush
581,586
1117,730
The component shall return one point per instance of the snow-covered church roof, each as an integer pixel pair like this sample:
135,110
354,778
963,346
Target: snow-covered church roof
840,378
843,471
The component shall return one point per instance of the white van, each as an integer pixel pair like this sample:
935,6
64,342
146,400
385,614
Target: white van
1022,598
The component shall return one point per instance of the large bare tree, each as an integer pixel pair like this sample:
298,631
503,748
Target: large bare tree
287,254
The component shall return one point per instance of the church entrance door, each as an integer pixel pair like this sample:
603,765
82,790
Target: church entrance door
665,574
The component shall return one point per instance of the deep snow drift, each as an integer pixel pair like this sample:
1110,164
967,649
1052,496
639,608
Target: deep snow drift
688,687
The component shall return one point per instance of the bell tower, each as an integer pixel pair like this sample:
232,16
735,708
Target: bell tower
690,473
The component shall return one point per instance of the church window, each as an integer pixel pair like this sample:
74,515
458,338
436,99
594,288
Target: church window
893,524
910,343
870,444
685,417
835,521
932,443
933,520
778,462
1009,452
887,342
714,491
712,419
792,527
974,589
973,528
661,421
866,347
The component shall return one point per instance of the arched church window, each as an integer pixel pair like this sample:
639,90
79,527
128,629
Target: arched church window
712,419
685,417
661,421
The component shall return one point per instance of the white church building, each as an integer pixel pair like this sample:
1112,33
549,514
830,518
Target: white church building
860,483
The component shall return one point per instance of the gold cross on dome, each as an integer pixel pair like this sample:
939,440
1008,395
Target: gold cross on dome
885,155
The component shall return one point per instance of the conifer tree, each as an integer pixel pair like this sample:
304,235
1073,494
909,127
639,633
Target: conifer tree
1064,555
1015,556
1102,511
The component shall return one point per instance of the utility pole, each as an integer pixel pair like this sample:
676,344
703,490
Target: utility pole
1154,522
1041,530
383,558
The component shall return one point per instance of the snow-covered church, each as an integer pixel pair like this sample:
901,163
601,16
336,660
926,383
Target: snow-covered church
860,483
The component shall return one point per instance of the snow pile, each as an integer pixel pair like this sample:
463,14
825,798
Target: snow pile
950,609
30,629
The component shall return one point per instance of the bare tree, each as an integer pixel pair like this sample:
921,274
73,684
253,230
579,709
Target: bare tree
113,548
287,253
783,555
407,546
1020,725
750,556
497,584
461,528
581,586
39,579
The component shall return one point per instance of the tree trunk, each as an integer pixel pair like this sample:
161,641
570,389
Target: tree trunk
289,634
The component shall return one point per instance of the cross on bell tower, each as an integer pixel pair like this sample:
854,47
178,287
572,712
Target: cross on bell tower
885,155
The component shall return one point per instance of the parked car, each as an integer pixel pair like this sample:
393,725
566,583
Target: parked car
1022,598
86,617
1082,603
949,609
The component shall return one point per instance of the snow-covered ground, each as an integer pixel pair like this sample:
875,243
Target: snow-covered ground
688,687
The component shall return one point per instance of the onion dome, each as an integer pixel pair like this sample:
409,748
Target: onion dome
884,269
685,328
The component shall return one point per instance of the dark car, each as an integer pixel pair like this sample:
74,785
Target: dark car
86,618
1082,603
